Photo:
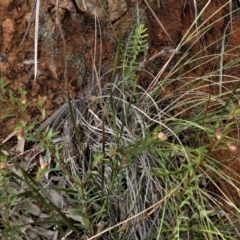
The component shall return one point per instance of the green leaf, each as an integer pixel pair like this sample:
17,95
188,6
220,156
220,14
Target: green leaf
11,97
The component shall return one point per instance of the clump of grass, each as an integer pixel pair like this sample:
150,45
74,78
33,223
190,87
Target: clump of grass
152,153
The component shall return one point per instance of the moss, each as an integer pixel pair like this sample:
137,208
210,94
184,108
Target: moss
78,63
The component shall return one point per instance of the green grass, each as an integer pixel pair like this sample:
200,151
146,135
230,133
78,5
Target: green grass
133,162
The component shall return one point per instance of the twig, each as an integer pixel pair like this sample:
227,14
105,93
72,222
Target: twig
29,23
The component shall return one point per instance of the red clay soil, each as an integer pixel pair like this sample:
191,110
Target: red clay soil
79,30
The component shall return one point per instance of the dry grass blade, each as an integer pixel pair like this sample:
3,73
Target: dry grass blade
29,23
153,13
36,38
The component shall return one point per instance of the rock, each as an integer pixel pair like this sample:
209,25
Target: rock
5,3
8,30
64,4
107,10
8,27
116,9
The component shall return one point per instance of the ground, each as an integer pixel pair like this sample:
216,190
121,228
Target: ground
79,29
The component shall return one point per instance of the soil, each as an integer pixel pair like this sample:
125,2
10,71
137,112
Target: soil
79,29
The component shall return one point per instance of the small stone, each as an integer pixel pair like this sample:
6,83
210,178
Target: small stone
8,26
4,67
8,30
24,80
12,58
35,89
114,9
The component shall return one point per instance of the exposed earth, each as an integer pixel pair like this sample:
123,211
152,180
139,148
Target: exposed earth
78,25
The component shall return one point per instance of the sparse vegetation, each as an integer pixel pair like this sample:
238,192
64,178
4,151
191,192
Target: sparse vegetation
128,162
